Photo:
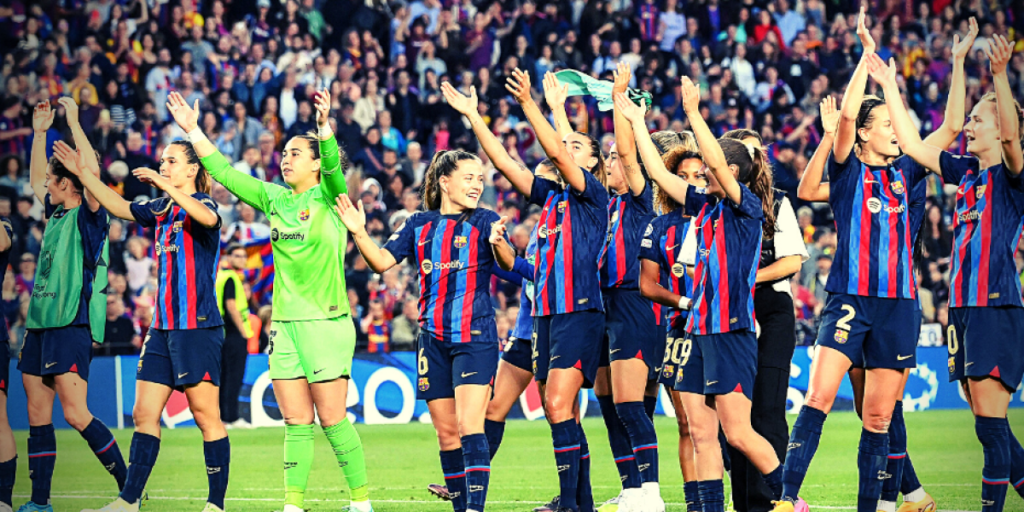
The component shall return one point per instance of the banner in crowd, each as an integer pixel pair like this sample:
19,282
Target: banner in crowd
383,390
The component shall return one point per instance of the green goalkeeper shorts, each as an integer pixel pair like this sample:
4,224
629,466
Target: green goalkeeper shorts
316,350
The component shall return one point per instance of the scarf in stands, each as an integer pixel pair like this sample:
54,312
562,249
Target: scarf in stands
584,85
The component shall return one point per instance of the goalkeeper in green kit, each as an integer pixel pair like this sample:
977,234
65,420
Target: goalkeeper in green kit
313,337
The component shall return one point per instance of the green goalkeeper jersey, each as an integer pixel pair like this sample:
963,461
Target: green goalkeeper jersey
308,237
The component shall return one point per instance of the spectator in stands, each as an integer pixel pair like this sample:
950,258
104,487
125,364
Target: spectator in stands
405,328
121,337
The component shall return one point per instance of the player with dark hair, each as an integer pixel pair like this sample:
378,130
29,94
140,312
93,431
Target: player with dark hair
67,312
183,348
8,447
457,350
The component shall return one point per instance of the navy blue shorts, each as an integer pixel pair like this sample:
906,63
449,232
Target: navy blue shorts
55,351
572,340
5,365
181,358
873,332
443,366
730,362
986,342
519,353
632,330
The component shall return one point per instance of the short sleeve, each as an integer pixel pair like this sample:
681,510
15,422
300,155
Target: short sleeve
914,171
836,169
229,290
208,202
594,193
688,254
696,198
540,190
648,249
142,210
955,167
750,204
788,241
402,242
644,201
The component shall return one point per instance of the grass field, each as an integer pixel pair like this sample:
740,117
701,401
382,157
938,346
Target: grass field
402,460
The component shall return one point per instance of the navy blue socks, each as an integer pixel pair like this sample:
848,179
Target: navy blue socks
622,449
897,455
642,437
650,404
42,455
142,457
803,442
712,495
584,494
8,470
102,443
691,493
477,458
495,431
994,434
871,461
1016,462
454,469
218,459
774,482
565,438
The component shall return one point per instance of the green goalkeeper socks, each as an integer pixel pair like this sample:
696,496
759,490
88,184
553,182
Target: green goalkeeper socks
348,448
298,459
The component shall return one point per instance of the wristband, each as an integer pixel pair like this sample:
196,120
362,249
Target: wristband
685,302
196,135
324,132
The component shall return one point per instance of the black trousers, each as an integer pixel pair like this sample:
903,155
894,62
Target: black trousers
775,346
232,369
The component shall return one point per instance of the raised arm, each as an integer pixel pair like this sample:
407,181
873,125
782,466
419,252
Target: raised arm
519,85
504,254
520,177
247,188
1000,51
906,134
953,122
625,143
811,188
331,181
555,98
354,218
42,119
846,133
74,161
673,185
714,157
85,151
193,207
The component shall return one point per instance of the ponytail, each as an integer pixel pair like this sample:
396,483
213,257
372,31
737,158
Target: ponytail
444,163
755,171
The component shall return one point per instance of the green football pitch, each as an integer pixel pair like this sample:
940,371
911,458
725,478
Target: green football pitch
402,460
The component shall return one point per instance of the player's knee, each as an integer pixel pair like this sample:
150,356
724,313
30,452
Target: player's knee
143,417
448,437
207,419
77,418
558,407
818,400
877,421
702,435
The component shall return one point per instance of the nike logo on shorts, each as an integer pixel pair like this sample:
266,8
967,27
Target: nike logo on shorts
711,383
904,358
318,371
48,365
614,350
464,374
182,375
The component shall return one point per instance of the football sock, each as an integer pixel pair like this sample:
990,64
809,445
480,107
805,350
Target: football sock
102,443
995,475
298,460
642,438
218,462
897,455
142,456
691,493
774,482
712,495
619,440
584,494
871,460
8,471
650,404
42,455
1016,462
453,465
477,458
910,486
348,449
495,431
566,442
803,442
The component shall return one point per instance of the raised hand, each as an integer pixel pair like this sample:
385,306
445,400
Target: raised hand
186,117
829,115
961,47
460,102
519,85
498,230
42,117
354,218
70,158
863,33
70,109
999,52
554,93
322,102
621,75
631,111
691,96
884,74
147,175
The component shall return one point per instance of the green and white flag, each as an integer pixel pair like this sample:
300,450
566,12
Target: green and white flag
581,84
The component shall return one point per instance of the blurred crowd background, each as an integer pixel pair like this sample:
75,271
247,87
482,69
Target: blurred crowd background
253,66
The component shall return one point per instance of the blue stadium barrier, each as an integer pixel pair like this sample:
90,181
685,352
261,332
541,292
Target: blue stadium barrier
384,391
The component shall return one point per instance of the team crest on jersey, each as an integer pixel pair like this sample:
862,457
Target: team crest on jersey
667,371
678,269
460,242
304,215
424,384
562,205
650,229
897,187
427,266
841,336
176,227
979,192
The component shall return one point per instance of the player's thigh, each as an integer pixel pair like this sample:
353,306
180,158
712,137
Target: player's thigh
603,381
509,384
330,399
150,399
471,407
881,388
295,400
444,417
827,371
629,379
989,397
857,383
73,392
733,413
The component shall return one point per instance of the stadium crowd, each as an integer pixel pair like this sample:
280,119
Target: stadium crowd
253,67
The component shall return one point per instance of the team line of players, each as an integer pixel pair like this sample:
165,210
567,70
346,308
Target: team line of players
604,280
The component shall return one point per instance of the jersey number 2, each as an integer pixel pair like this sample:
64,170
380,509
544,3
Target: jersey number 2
844,322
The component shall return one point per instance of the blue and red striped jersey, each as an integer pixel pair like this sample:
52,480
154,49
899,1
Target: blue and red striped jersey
187,257
663,244
876,227
455,264
628,216
570,239
728,242
986,230
523,329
